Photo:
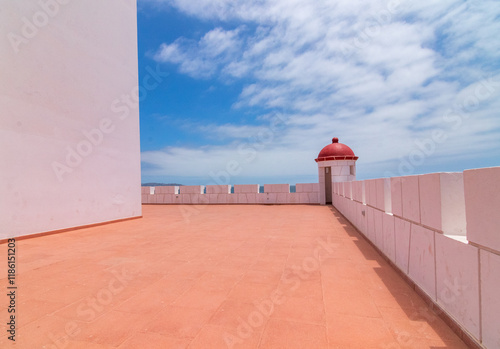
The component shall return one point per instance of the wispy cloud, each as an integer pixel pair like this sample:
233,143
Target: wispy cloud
382,73
201,59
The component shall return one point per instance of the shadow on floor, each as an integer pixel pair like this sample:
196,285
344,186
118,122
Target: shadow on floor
423,321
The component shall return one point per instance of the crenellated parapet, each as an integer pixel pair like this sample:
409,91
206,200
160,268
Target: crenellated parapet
305,193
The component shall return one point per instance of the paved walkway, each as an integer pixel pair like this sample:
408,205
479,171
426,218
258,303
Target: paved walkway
216,277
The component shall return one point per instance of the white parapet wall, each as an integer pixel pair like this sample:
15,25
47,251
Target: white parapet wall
305,193
69,125
442,230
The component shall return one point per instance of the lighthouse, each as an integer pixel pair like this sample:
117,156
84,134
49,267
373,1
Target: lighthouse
336,163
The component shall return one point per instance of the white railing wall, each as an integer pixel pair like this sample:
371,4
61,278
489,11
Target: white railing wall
443,231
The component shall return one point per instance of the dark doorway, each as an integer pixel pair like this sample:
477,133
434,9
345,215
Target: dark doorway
328,185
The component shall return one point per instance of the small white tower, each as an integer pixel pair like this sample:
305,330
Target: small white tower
336,163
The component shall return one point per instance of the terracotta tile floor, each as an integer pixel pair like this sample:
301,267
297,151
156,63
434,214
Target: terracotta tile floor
216,277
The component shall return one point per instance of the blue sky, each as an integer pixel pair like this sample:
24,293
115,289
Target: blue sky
250,91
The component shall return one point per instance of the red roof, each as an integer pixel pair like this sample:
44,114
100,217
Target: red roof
336,151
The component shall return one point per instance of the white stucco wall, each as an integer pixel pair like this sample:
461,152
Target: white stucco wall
69,144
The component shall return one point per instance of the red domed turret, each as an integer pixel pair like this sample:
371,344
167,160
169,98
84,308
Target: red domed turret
336,151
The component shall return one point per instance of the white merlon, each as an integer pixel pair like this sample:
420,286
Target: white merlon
246,188
192,189
166,190
482,206
442,202
218,189
276,188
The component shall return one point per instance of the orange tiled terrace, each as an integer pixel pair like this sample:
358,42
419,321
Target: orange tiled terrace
256,276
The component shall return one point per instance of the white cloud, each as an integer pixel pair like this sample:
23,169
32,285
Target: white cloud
379,72
201,59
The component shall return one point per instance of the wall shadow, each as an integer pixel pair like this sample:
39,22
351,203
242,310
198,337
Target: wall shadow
424,317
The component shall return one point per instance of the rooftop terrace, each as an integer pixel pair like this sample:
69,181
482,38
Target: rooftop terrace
258,276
